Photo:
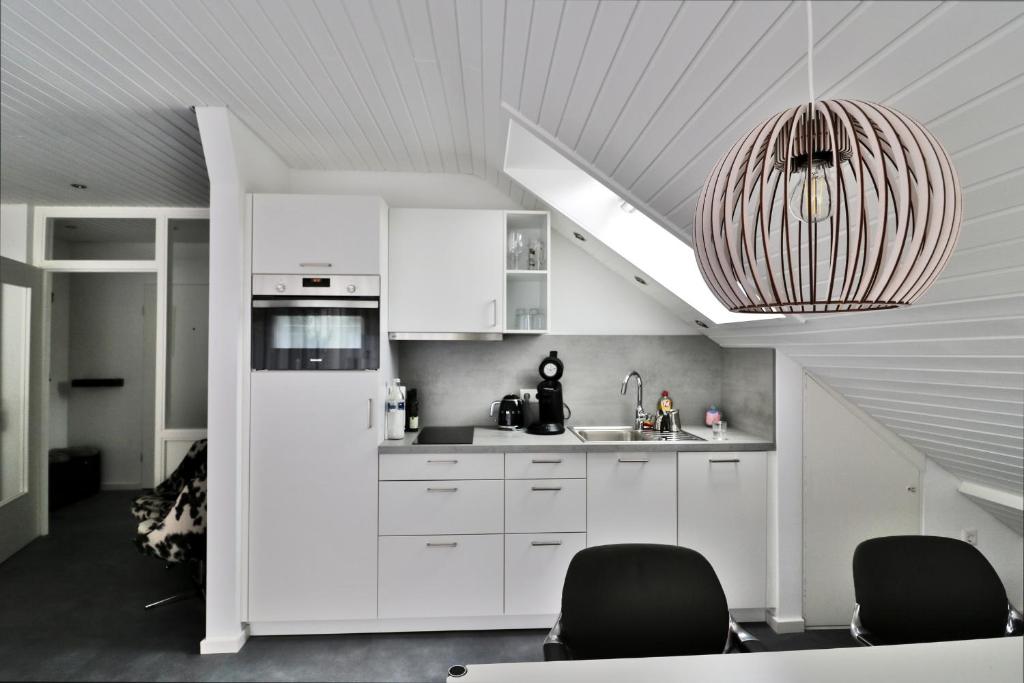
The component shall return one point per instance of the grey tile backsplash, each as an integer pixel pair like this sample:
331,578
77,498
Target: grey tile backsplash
458,380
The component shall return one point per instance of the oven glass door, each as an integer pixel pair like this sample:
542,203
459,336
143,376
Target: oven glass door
315,334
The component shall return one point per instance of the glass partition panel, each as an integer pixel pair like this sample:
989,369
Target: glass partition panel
16,312
101,239
188,294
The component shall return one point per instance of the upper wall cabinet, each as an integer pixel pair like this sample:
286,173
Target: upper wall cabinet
306,233
446,271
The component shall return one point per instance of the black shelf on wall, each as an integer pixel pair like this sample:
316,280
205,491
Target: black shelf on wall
99,382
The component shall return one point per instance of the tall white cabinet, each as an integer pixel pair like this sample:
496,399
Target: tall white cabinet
313,496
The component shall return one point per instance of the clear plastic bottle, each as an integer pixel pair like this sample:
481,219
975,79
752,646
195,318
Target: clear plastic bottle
395,410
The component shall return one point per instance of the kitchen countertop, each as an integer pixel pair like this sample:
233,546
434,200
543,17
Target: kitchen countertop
494,440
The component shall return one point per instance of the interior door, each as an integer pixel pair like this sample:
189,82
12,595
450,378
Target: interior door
22,477
855,488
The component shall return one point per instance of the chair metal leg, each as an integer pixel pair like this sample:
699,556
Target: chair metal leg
177,597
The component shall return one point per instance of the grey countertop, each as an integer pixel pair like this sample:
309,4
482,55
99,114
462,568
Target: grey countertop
493,440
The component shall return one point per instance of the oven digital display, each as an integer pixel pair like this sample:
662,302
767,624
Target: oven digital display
316,282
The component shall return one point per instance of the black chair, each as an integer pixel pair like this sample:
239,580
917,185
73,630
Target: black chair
643,600
922,589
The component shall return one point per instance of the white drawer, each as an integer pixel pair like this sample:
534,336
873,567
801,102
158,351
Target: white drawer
440,507
545,465
535,567
440,576
537,505
416,466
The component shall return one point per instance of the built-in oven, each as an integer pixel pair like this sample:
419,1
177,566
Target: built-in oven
315,322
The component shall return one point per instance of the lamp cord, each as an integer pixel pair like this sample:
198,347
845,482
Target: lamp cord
810,52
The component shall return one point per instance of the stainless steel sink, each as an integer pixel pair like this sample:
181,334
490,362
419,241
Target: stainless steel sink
620,434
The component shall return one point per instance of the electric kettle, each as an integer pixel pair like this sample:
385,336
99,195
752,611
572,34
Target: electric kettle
511,413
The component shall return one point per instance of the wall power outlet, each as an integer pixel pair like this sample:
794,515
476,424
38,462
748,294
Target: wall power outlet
970,536
528,394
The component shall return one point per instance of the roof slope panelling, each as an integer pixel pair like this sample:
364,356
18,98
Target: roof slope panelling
645,95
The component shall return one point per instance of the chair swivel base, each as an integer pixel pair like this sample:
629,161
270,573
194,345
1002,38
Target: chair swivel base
177,597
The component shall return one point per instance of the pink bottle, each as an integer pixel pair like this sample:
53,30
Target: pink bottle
712,416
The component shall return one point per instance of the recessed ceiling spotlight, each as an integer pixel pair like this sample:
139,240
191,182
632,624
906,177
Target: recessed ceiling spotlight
579,236
701,323
627,207
640,279
79,186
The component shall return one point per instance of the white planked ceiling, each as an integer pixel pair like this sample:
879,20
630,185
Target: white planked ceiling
645,95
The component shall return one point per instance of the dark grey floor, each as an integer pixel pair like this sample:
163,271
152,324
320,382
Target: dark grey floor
71,609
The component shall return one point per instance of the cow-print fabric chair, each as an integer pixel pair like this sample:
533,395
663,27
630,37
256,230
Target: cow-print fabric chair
172,519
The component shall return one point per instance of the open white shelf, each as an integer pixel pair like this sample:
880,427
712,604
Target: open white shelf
527,289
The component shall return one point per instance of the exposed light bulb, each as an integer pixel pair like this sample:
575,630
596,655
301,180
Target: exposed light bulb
815,181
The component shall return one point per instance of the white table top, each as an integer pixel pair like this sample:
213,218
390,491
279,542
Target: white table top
993,660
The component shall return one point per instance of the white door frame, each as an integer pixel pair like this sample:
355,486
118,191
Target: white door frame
159,265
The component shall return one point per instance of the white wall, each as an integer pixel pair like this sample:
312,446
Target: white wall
405,190
238,163
14,241
107,330
947,512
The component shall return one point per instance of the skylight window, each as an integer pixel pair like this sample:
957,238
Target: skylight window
613,221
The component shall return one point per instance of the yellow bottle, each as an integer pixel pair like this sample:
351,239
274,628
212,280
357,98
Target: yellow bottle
665,404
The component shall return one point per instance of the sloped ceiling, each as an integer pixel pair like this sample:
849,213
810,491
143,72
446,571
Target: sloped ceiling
644,95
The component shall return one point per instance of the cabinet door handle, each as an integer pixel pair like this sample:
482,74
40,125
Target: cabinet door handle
494,312
540,461
639,460
715,461
451,544
545,488
439,462
315,264
539,543
369,413
439,489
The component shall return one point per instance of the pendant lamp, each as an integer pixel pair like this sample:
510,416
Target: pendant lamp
830,206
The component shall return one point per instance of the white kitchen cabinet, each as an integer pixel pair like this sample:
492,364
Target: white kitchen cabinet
313,502
545,465
446,271
535,566
427,466
317,234
441,507
535,505
631,498
441,576
722,515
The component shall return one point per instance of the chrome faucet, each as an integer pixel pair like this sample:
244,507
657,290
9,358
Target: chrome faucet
641,415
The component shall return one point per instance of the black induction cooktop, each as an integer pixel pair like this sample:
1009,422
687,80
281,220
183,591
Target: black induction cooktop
445,435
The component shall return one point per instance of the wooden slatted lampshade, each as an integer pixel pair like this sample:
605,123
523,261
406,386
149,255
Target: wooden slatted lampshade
836,205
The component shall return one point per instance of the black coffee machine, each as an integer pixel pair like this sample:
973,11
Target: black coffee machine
550,408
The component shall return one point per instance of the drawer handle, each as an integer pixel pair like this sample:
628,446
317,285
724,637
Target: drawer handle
639,460
450,544
438,489
315,264
714,461
447,462
537,543
540,461
545,488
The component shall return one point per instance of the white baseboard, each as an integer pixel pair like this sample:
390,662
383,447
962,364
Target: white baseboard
749,614
785,624
226,645
291,628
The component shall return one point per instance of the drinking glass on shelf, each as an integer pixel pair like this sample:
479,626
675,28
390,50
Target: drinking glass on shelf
522,319
536,319
516,250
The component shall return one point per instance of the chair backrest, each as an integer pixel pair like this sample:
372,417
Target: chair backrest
193,465
642,600
916,589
